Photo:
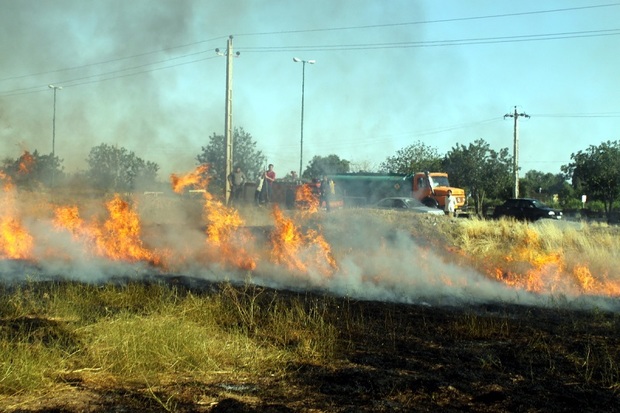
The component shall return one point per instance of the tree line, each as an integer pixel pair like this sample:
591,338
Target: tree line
485,173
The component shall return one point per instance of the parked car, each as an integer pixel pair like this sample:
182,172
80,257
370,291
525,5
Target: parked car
526,209
407,204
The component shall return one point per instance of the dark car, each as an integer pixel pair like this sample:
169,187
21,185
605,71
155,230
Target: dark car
526,209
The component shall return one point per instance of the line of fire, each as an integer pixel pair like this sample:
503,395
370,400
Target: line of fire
194,232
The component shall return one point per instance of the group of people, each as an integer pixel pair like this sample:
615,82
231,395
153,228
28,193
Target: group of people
263,192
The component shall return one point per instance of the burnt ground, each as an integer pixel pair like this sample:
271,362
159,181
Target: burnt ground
406,358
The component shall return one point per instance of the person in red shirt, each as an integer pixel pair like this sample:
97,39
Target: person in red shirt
270,177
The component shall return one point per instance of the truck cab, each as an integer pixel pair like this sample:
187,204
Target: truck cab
431,188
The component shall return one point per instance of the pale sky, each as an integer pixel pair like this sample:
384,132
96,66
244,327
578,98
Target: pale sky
144,75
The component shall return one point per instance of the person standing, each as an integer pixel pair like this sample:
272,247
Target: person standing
450,205
325,192
237,180
270,177
259,189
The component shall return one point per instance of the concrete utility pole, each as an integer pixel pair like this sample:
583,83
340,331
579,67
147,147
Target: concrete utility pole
516,115
55,88
228,133
303,81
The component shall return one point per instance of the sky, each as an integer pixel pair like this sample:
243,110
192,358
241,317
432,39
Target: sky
144,75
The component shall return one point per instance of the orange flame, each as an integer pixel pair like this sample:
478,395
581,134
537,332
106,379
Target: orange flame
530,268
117,239
297,251
15,242
223,233
197,178
7,182
25,163
307,199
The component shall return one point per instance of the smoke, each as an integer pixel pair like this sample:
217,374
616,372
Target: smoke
366,256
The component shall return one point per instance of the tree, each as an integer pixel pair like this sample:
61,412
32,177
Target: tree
595,172
417,157
328,165
117,169
31,170
245,156
544,186
483,172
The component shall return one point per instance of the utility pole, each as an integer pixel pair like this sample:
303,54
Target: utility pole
54,88
228,133
303,81
516,116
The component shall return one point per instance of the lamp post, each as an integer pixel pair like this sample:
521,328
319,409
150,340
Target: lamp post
303,80
55,88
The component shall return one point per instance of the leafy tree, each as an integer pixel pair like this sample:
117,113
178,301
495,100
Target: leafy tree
32,170
544,186
328,165
363,166
417,157
483,172
245,155
117,169
595,172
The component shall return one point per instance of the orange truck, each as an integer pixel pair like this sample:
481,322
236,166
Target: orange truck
431,188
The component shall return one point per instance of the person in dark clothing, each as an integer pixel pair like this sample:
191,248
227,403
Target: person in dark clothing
237,180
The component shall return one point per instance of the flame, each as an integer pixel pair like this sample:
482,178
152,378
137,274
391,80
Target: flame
529,267
7,182
26,161
297,251
307,199
15,242
197,178
118,238
225,235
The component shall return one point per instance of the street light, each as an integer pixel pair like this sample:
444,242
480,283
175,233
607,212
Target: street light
55,88
303,79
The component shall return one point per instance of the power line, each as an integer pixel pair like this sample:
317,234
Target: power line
452,42
579,115
100,77
491,16
119,59
437,43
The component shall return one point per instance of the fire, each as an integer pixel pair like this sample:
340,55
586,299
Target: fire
15,242
224,233
529,267
7,182
26,161
297,251
118,238
307,199
197,178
